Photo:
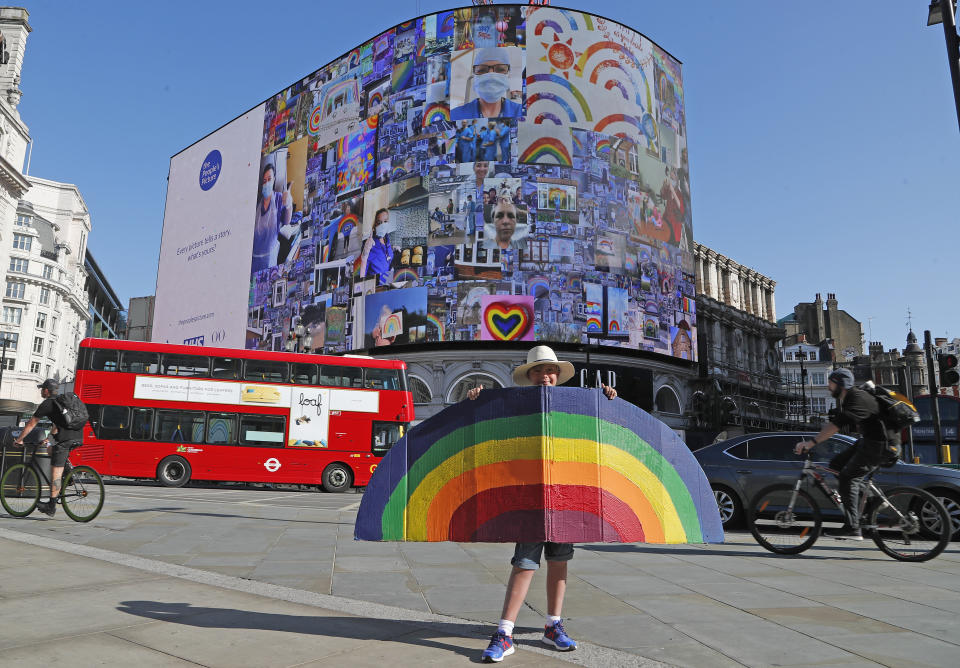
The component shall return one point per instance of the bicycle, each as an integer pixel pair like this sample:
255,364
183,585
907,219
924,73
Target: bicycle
81,492
906,523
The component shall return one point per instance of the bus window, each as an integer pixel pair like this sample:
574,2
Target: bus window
196,366
261,370
114,422
385,434
227,368
132,361
221,428
381,379
304,374
141,424
263,430
102,360
341,376
179,426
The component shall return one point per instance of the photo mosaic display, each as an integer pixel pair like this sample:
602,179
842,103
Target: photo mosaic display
492,173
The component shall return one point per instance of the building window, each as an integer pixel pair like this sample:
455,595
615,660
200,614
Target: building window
12,340
35,367
420,390
44,296
22,242
41,321
23,221
50,348
16,289
817,378
459,391
19,265
9,363
12,315
48,271
812,355
667,401
53,325
38,345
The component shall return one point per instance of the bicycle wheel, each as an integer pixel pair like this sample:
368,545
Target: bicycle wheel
912,526
20,490
82,494
780,528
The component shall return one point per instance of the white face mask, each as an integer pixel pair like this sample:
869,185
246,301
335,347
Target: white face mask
267,189
385,228
491,86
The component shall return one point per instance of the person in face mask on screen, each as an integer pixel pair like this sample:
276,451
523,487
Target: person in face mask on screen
491,83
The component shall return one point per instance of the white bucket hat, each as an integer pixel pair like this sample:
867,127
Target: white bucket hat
542,355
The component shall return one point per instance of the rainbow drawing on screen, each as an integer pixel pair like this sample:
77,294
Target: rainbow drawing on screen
436,112
436,322
530,464
316,116
507,322
594,324
392,325
547,149
405,275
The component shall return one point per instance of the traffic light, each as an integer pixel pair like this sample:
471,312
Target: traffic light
949,375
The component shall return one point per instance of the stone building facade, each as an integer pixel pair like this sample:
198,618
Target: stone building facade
45,304
819,321
739,387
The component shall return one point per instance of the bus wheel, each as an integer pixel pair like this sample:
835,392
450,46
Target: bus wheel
337,478
174,472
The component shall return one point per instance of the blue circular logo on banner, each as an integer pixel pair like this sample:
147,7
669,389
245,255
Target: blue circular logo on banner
210,169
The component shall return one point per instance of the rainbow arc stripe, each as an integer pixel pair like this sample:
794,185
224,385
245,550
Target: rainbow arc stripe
531,464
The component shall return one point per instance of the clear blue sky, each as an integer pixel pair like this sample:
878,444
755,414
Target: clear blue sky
823,139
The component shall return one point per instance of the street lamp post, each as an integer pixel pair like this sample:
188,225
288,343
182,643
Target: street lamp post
941,11
803,382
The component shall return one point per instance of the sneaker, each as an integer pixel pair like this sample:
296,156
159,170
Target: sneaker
844,533
501,645
557,637
48,507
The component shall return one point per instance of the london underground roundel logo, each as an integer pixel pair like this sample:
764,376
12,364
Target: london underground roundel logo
272,465
210,169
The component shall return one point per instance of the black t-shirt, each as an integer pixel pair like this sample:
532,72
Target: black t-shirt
49,409
861,411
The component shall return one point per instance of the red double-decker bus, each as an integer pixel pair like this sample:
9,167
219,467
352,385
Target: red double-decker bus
177,413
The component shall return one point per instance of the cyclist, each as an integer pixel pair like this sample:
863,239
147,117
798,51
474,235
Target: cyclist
66,440
858,409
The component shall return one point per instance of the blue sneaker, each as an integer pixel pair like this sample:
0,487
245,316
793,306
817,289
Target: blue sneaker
557,637
501,645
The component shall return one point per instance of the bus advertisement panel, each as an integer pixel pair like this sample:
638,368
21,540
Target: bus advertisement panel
178,413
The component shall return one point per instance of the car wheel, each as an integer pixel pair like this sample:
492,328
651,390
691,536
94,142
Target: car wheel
731,510
952,503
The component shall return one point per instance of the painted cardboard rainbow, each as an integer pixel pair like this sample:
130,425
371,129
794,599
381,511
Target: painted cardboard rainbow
537,463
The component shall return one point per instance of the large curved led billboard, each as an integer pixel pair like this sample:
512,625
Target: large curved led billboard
491,173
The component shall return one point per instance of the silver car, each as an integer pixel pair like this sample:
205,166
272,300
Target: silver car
740,467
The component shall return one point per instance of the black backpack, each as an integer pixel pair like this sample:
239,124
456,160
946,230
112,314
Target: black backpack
73,410
896,412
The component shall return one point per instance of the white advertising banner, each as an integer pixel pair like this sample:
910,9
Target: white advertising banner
357,401
203,280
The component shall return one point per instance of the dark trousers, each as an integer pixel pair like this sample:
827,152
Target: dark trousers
853,465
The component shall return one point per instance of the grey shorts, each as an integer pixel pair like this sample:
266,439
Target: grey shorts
60,452
526,556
